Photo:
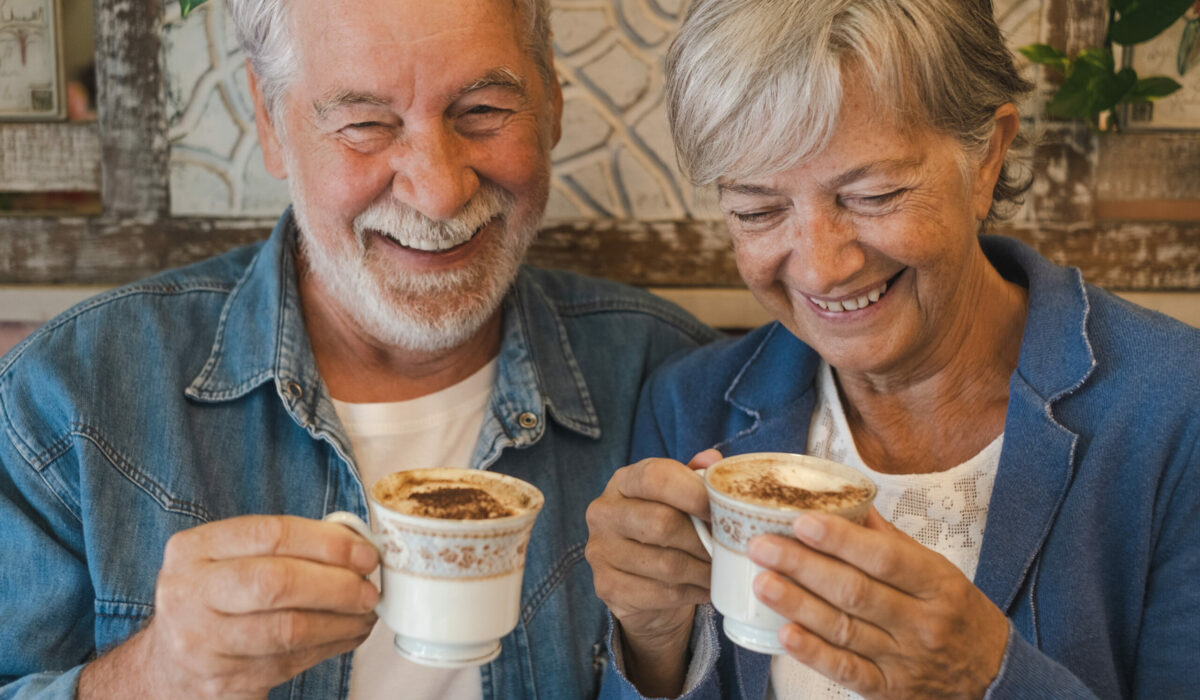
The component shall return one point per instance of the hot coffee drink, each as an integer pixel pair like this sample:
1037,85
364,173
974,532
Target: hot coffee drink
452,494
452,546
763,493
781,484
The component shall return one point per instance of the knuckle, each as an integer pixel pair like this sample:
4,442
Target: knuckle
595,515
672,566
290,630
270,583
658,525
845,672
853,595
843,630
270,532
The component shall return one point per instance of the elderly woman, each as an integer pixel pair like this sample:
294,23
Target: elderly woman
1035,440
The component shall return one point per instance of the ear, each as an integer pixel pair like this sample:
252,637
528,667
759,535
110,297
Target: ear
556,100
268,137
1006,121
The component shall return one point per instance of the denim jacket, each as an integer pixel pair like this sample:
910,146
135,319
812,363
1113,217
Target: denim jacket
193,396
1092,545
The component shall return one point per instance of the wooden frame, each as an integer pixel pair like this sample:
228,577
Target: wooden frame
125,158
19,30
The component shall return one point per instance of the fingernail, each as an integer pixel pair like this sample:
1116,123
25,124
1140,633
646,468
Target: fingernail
809,528
765,551
364,557
768,587
370,596
789,636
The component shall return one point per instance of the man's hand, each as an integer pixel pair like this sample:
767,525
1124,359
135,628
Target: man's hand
877,612
649,566
241,606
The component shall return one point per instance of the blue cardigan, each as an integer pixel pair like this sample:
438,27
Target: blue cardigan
1092,546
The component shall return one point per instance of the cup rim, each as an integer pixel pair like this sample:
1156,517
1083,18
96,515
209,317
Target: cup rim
538,500
827,465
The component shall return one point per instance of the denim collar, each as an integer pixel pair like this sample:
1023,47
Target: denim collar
261,337
1056,355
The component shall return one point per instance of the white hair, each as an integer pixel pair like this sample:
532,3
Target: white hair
262,29
427,312
754,87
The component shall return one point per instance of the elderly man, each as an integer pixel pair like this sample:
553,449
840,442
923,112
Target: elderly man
167,449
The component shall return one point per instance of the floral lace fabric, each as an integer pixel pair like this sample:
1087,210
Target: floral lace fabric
944,511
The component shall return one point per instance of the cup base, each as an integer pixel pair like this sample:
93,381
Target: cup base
754,638
446,655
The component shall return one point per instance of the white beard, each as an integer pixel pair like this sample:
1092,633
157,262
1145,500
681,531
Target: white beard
426,312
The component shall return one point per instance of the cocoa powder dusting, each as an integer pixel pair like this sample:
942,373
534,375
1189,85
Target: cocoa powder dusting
458,503
768,490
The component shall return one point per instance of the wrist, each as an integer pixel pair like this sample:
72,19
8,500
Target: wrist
656,663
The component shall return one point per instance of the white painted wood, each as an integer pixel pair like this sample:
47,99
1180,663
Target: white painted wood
49,157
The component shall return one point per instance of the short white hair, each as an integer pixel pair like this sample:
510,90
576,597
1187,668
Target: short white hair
754,87
262,28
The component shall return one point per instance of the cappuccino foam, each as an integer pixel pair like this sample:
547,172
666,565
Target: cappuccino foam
786,486
451,494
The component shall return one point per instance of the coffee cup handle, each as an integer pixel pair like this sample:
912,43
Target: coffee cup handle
701,526
356,523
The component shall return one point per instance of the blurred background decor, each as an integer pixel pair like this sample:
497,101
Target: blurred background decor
172,166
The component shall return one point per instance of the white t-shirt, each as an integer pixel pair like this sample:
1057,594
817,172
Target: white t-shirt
945,511
438,430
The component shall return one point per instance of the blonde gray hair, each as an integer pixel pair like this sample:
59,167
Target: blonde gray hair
262,29
754,87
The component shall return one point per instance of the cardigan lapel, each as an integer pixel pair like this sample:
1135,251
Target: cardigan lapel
1037,461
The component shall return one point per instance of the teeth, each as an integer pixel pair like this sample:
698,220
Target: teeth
852,304
432,244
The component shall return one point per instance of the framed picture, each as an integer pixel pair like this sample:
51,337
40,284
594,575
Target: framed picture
1175,54
31,73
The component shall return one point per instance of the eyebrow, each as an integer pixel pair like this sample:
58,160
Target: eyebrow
346,98
503,78
839,181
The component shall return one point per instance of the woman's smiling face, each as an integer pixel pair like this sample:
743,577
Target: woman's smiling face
868,252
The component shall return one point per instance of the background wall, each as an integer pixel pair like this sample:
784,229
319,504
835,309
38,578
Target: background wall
176,164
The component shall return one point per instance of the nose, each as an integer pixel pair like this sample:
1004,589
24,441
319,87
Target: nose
825,251
433,172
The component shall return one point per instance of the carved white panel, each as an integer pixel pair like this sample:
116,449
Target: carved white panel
615,159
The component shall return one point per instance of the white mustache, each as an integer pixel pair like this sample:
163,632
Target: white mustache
412,229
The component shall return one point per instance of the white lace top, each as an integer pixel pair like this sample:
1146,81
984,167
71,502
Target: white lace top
945,511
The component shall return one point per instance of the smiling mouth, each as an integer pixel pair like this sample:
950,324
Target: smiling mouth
432,245
857,303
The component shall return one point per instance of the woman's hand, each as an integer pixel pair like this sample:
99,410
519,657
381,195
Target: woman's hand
649,566
877,612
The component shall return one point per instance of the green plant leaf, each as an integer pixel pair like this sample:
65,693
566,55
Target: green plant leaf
186,6
1153,88
1046,55
1141,20
1091,87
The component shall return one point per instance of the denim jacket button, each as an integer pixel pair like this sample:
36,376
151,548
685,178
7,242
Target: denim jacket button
294,390
527,420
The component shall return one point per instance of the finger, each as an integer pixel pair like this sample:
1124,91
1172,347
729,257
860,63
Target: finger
664,564
663,481
628,594
839,665
835,626
705,459
288,632
838,583
258,584
279,535
655,524
255,674
882,552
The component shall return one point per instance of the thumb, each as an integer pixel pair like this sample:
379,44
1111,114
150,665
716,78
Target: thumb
705,459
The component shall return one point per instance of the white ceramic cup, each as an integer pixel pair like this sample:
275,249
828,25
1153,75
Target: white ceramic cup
449,589
748,620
